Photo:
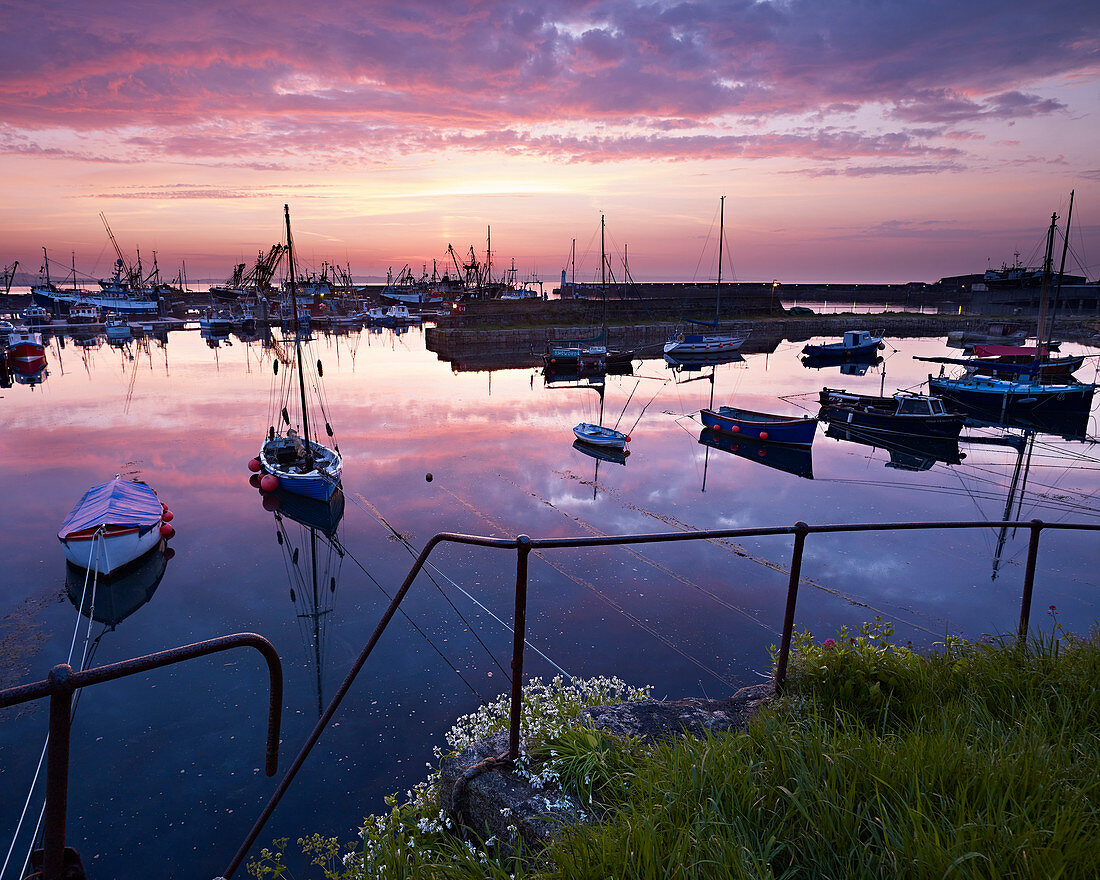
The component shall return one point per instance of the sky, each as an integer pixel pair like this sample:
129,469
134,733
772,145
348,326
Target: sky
853,140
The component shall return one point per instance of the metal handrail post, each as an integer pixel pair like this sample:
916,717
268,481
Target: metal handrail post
1036,526
57,771
800,531
523,550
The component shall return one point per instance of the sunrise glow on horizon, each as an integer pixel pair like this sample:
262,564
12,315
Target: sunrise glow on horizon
890,142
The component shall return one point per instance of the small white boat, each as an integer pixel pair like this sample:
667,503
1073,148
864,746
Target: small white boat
113,524
598,435
117,330
83,313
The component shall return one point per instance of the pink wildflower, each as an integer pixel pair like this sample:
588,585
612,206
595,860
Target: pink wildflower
828,644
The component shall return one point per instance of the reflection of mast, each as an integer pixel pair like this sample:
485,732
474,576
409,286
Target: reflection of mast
1018,483
313,590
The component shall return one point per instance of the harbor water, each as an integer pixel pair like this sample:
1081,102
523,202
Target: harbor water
166,767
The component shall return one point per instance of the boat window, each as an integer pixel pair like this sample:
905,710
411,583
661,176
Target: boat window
912,406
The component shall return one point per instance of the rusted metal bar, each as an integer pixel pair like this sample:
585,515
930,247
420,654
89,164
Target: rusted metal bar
1029,580
63,682
523,550
57,771
800,532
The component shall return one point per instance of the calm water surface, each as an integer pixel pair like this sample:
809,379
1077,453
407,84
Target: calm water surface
166,766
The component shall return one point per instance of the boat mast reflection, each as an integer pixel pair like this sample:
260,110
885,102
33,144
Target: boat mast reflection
313,579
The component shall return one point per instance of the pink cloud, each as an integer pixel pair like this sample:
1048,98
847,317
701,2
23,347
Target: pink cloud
495,65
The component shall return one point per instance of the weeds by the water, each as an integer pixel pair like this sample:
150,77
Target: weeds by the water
976,760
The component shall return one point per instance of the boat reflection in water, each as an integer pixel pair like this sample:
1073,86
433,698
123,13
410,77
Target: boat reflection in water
797,460
306,530
110,599
907,452
852,365
612,454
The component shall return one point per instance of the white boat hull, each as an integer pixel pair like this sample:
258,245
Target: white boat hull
106,553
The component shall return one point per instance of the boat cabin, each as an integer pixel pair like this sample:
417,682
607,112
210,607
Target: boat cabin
857,338
919,405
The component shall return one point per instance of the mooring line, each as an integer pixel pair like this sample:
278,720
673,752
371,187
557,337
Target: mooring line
369,508
593,588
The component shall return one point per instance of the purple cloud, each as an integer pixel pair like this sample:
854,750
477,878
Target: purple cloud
205,78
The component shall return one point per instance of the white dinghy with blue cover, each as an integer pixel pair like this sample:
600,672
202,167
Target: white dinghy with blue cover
113,524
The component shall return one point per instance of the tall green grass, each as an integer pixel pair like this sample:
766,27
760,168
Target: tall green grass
973,761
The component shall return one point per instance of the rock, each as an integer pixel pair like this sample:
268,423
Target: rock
501,806
664,719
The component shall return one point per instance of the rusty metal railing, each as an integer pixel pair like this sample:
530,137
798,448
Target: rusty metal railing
63,682
524,545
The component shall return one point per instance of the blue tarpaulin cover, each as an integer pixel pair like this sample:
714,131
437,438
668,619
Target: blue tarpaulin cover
119,502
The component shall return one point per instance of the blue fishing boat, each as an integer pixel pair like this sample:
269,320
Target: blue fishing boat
1000,399
789,430
855,343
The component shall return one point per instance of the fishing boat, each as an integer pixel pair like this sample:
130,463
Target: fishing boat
796,460
911,415
35,316
791,430
117,330
855,343
598,435
83,313
1010,362
992,398
113,524
989,397
26,353
689,345
295,461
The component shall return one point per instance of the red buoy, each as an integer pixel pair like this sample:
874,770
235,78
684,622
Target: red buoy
763,435
269,482
167,515
271,503
762,453
168,552
254,481
166,530
254,465
734,428
627,438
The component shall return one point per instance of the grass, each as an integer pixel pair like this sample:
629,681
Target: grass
973,761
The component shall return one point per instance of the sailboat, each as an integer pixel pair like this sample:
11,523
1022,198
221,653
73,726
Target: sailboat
693,345
590,354
297,462
1028,395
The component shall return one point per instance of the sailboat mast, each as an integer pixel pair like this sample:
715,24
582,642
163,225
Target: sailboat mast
1048,263
603,258
1062,266
297,339
721,235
